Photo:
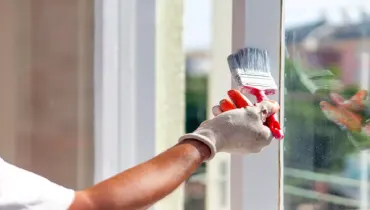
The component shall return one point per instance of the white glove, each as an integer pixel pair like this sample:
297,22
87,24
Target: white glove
239,131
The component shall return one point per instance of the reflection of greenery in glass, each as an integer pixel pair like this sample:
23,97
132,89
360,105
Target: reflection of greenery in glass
311,141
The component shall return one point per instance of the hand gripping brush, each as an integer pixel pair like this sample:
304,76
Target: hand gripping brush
250,69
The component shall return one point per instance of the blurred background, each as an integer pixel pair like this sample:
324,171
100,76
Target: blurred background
47,95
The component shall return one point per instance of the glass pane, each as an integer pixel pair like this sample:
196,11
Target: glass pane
326,163
46,77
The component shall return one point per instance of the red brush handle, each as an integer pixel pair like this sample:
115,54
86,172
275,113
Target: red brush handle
271,121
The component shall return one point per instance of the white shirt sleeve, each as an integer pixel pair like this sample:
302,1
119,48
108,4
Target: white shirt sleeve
24,190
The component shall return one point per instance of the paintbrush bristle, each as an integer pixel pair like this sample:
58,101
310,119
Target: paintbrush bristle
251,59
251,67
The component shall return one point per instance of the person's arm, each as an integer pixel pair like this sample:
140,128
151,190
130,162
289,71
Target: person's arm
237,131
147,183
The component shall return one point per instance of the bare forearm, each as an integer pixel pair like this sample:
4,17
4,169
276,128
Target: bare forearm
145,184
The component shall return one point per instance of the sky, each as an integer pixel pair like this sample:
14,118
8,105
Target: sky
198,16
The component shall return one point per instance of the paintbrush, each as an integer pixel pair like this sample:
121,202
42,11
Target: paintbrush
250,69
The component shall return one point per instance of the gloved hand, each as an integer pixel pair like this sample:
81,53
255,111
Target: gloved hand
347,113
239,129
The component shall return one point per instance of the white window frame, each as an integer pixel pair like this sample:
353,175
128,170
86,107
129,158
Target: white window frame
123,56
134,117
255,180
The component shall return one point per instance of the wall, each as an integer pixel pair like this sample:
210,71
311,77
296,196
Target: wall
46,88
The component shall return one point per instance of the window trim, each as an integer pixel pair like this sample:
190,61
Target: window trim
264,29
117,35
131,103
124,59
105,89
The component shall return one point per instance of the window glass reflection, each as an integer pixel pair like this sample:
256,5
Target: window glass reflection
326,155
